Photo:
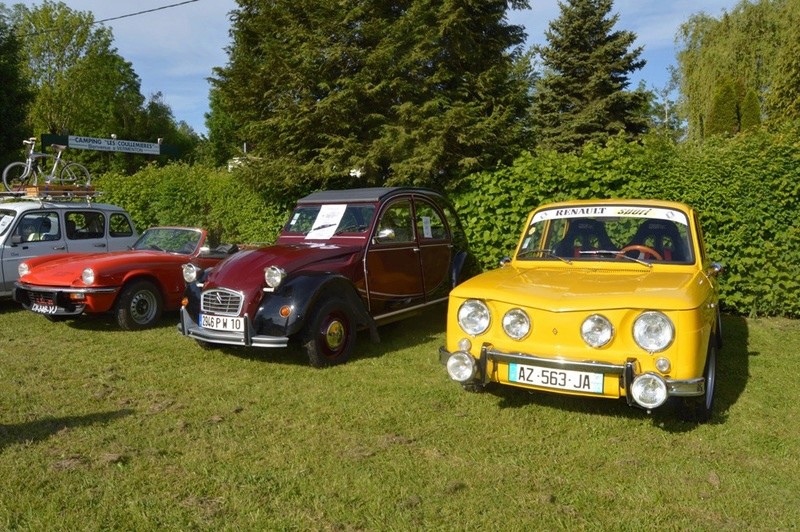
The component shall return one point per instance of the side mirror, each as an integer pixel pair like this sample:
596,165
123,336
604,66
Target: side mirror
505,261
16,239
715,269
386,234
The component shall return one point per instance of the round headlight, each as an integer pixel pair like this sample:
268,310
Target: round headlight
649,390
653,331
516,324
87,276
190,273
274,276
474,317
461,366
596,330
23,269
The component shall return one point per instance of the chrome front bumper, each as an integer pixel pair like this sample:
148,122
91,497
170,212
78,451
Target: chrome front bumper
248,338
627,371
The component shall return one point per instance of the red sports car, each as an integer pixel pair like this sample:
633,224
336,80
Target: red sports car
136,285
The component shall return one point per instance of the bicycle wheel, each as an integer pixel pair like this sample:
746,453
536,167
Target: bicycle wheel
75,174
15,176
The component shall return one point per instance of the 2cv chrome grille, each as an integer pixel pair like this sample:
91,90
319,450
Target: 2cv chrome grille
224,302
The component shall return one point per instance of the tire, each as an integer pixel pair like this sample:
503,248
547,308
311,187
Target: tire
15,176
699,409
75,174
329,336
139,306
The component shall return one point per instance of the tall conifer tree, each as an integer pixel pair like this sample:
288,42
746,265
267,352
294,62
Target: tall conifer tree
582,94
354,92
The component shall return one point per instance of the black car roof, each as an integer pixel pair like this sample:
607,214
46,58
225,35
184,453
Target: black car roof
360,194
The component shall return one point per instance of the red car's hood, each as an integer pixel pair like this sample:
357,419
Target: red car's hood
244,271
66,269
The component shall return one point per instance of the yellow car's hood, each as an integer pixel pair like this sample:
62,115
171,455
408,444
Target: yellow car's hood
574,288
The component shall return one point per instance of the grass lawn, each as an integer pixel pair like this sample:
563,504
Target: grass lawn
105,429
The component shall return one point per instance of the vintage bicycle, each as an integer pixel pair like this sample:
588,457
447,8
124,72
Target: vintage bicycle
52,169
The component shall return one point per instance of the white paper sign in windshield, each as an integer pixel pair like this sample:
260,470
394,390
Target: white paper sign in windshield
326,223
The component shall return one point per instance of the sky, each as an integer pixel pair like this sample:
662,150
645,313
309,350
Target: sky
174,44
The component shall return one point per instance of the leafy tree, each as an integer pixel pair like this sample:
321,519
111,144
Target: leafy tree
749,111
582,94
349,92
14,97
757,44
82,86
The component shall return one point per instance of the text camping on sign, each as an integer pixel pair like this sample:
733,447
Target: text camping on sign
128,146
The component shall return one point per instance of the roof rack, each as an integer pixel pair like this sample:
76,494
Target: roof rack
52,193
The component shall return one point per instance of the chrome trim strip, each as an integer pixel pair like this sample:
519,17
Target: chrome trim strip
66,290
590,366
686,388
409,309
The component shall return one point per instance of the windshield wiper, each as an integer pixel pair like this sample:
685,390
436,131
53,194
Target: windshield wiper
548,252
616,254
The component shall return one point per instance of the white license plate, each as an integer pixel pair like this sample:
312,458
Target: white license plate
222,323
561,379
44,309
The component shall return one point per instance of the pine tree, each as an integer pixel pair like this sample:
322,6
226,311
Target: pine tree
346,92
582,94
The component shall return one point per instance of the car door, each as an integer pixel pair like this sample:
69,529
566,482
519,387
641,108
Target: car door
35,233
435,249
393,273
86,230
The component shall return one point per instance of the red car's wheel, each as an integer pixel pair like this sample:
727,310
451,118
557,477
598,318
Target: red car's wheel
138,306
329,336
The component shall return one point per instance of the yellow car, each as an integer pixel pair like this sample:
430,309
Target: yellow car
604,298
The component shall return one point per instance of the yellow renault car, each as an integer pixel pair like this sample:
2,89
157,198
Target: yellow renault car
605,298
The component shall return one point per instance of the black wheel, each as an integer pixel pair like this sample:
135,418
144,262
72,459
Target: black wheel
15,176
329,335
719,330
75,174
138,306
698,409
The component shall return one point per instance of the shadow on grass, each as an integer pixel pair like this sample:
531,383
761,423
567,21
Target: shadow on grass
42,429
732,375
406,333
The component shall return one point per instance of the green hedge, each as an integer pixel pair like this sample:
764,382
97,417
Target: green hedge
197,196
746,188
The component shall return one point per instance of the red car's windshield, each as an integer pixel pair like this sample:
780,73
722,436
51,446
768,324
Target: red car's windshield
170,240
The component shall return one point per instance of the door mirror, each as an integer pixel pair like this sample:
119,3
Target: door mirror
386,234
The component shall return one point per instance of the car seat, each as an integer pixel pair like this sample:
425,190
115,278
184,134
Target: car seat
584,234
662,236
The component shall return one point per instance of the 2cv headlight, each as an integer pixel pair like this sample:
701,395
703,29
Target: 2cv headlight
274,276
190,273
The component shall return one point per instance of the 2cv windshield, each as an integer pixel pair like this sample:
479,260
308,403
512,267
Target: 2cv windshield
321,222
609,232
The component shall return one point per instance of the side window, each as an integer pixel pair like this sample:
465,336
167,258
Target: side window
396,224
119,225
82,225
39,227
430,225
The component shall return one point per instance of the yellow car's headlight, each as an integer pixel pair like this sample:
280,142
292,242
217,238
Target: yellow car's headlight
474,317
596,330
653,331
516,324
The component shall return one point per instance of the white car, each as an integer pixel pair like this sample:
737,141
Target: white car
33,227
